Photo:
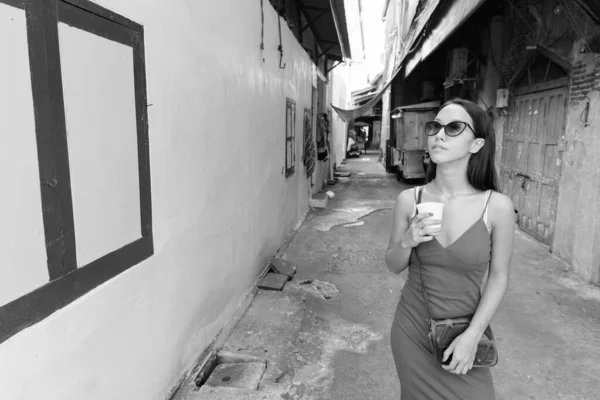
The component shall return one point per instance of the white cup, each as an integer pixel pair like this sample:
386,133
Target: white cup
437,209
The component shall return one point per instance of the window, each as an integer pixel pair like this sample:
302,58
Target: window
290,137
85,76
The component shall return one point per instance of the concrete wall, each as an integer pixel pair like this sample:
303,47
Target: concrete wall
338,81
487,98
321,166
221,202
577,238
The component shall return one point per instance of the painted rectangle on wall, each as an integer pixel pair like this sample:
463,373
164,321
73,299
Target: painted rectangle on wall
23,264
100,110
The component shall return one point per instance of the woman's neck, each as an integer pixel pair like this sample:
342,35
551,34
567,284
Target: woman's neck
451,180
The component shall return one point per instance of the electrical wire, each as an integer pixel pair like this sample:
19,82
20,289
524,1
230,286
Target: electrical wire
262,30
280,47
574,25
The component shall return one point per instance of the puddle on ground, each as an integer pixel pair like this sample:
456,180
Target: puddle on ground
350,215
341,216
359,223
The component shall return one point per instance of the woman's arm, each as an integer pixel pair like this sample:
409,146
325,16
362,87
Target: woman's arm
397,256
407,233
501,213
503,230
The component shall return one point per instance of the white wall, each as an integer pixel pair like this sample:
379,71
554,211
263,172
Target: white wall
22,249
99,98
221,202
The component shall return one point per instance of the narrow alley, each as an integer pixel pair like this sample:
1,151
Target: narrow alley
326,335
198,195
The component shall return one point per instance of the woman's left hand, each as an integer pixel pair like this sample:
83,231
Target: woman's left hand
462,349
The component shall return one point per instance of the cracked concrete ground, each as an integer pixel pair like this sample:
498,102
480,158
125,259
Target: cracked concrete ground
326,335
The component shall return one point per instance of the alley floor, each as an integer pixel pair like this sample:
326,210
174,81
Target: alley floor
326,335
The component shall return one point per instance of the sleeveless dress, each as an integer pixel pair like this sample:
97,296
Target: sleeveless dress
453,277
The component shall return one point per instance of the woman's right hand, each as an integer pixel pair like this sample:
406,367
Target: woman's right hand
421,229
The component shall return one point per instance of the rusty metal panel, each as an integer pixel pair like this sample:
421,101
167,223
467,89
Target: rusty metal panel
414,129
399,130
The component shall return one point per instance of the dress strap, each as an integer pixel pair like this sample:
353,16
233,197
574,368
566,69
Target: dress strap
488,195
417,191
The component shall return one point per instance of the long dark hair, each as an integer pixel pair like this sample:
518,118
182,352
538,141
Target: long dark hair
481,170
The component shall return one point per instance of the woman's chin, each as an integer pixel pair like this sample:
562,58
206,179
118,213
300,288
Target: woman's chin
437,159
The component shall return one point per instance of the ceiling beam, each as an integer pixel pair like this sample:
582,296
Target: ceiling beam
325,51
315,8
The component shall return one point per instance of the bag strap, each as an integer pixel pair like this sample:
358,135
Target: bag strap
416,251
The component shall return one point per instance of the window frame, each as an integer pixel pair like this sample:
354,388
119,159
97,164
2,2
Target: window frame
67,282
290,136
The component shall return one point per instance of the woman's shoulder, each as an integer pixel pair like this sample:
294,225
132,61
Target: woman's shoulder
406,200
500,206
500,200
408,195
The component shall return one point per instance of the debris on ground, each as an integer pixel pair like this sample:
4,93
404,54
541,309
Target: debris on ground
326,290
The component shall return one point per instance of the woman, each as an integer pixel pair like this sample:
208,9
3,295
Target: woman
475,237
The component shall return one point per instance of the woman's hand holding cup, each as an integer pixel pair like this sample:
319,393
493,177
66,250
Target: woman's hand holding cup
425,225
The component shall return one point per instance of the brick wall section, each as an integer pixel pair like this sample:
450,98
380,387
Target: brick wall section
597,82
585,77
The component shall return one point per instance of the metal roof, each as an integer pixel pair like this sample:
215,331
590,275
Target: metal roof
327,20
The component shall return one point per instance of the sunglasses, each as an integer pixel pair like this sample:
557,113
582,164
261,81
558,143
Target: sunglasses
453,128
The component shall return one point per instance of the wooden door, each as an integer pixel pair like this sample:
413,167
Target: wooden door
531,160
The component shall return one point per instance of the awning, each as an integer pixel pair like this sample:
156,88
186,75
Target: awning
361,99
327,20
422,16
362,91
415,107
453,14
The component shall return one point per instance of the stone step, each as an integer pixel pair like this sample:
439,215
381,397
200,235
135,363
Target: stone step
319,200
273,281
342,174
281,266
237,375
228,393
